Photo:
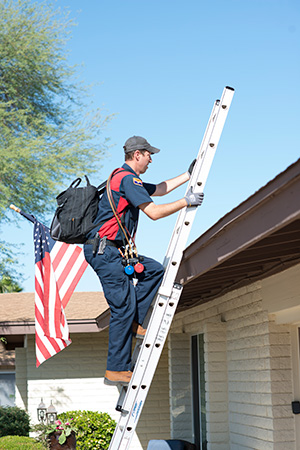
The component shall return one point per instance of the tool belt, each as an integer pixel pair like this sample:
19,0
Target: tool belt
100,244
132,264
116,244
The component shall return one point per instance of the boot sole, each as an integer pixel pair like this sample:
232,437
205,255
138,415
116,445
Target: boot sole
115,383
139,336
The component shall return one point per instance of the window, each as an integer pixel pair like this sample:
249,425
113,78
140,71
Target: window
198,392
7,388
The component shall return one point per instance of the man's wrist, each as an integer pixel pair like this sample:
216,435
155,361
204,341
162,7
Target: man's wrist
188,175
187,201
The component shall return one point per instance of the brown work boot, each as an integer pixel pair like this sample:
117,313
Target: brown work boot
113,378
138,331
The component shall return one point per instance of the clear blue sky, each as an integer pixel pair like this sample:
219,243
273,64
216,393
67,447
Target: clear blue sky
160,66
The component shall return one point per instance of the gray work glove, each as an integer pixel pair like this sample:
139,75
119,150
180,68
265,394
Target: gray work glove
193,199
191,168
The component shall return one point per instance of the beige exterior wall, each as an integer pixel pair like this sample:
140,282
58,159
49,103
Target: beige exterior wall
249,369
73,380
281,295
21,377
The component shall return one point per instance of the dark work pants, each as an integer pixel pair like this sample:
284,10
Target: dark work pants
126,301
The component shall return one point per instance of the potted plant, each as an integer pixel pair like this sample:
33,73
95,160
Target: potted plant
61,436
57,436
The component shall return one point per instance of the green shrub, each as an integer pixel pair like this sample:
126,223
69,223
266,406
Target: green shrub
41,434
14,421
19,443
95,429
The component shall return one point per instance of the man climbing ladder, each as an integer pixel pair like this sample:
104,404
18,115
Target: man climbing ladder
111,251
147,352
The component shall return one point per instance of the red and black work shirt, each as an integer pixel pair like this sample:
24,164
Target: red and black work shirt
128,192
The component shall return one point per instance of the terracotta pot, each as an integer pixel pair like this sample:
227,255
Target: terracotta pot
70,443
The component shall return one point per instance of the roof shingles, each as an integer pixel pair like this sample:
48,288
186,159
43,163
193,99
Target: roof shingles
19,307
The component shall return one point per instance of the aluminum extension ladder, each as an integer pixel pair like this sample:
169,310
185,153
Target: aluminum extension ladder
158,321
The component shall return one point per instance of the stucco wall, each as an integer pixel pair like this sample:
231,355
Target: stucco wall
73,380
248,370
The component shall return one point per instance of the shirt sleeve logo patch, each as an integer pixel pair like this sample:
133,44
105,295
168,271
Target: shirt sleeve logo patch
137,181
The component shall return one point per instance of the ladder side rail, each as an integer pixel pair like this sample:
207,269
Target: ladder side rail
135,384
175,258
219,106
200,156
153,360
154,342
224,105
205,151
152,321
198,180
221,112
153,328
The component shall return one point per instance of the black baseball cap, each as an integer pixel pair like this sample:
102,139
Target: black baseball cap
138,143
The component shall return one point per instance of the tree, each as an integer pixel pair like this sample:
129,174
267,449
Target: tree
9,278
7,284
48,134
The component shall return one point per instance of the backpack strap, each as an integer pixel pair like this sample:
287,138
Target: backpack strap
76,183
102,187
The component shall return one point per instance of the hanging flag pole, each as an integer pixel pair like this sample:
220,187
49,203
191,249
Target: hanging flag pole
58,269
27,216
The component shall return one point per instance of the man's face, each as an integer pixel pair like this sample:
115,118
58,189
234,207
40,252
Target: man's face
144,159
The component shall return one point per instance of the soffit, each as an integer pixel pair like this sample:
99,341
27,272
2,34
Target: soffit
255,240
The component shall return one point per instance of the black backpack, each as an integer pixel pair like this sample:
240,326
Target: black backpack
76,211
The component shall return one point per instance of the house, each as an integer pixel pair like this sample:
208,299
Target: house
72,379
234,342
229,376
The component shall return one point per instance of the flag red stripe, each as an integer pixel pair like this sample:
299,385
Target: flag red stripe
38,287
45,297
74,283
51,341
39,318
58,315
66,270
59,255
41,347
55,345
51,300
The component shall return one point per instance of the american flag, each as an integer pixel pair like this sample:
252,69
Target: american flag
58,268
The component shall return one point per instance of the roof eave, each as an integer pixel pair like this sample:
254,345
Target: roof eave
75,326
270,209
